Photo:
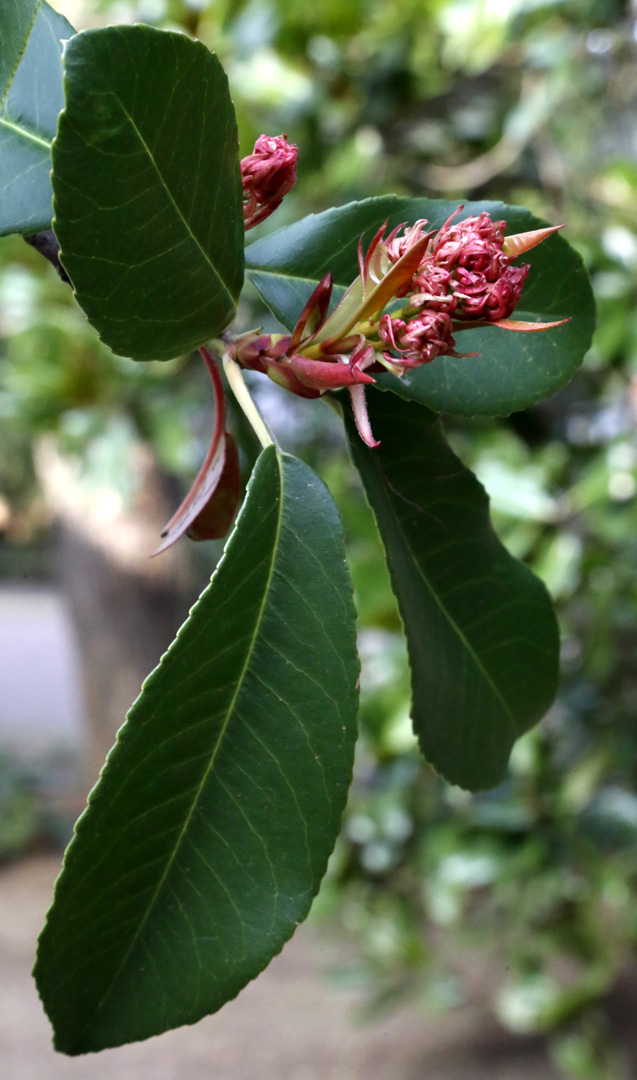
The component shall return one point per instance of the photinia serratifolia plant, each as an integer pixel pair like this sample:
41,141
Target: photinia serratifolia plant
452,279
209,830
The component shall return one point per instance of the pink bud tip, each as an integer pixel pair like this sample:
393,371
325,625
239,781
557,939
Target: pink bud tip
267,174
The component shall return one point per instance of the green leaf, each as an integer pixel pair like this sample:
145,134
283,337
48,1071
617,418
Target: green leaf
481,630
16,22
514,370
31,81
208,833
147,186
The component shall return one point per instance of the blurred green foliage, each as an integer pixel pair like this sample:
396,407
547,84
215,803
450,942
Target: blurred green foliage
534,102
19,821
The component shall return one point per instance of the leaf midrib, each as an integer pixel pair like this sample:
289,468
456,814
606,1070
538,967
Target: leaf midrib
451,621
25,133
172,201
207,772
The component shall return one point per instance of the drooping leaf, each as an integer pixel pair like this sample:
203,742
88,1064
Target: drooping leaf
207,835
481,630
207,511
31,80
214,521
513,370
147,186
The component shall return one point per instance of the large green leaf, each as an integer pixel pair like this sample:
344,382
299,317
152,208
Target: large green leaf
210,828
147,186
31,80
481,630
513,371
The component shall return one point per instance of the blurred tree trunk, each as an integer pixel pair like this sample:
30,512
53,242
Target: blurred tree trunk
126,606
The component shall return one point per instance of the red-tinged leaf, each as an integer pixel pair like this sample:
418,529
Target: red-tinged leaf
313,314
366,263
520,242
525,327
391,284
200,494
343,316
211,472
215,519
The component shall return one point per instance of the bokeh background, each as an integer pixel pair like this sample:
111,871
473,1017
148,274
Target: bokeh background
516,906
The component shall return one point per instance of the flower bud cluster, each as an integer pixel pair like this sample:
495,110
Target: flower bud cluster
267,174
419,341
466,273
453,279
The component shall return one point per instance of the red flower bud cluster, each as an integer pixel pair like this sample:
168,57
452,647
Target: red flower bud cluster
465,271
453,279
420,340
268,173
475,243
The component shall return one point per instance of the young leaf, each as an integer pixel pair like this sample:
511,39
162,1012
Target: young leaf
31,82
513,370
481,630
147,186
207,511
208,833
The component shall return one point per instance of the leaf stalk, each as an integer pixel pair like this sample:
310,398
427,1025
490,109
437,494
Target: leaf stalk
244,398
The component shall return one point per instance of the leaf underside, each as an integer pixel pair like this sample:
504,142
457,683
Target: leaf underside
208,833
481,631
513,371
29,114
147,186
16,21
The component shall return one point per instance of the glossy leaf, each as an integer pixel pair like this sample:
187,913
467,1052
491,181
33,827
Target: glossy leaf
148,199
31,79
513,370
208,833
481,630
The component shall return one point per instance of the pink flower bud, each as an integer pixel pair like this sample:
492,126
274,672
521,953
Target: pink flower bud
254,350
479,298
474,244
420,340
433,286
268,173
481,227
399,244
